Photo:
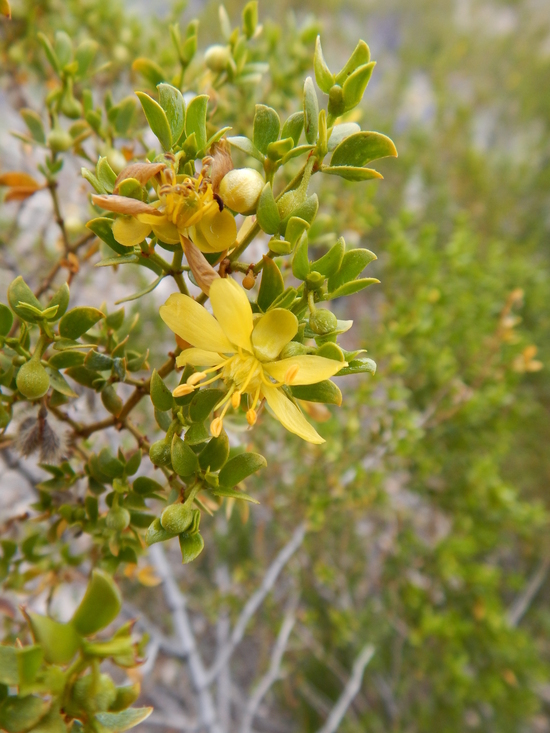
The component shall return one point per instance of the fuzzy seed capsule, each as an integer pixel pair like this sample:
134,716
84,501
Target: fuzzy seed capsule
176,518
240,189
118,518
159,453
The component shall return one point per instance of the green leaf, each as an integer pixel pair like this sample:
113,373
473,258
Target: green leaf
285,300
85,54
195,120
246,146
157,533
311,111
226,493
295,228
300,261
330,263
359,57
267,213
122,115
358,366
124,720
191,546
99,607
109,465
196,433
8,666
35,125
355,85
106,175
353,264
58,382
145,486
266,127
156,117
6,320
78,321
60,642
161,397
171,100
184,459
63,48
20,293
360,148
147,289
306,211
280,148
272,284
352,287
293,127
66,359
84,376
215,454
61,299
97,361
326,392
29,661
19,714
149,70
239,468
50,53
352,174
203,403
323,75
250,18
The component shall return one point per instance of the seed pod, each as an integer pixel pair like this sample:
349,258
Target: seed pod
32,380
293,348
71,107
94,695
59,140
240,189
322,321
176,518
118,518
217,57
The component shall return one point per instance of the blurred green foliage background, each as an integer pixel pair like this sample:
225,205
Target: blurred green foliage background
430,499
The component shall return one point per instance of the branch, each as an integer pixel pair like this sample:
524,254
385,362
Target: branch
256,600
519,607
349,692
182,626
273,674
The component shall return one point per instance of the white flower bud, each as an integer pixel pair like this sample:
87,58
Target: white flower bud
240,190
217,57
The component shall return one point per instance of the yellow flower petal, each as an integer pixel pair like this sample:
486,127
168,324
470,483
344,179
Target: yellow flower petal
289,415
127,230
166,232
216,231
272,332
232,309
192,322
198,358
306,369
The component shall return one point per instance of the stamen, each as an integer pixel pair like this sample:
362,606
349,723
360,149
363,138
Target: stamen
196,378
182,390
251,417
236,400
250,375
290,376
216,426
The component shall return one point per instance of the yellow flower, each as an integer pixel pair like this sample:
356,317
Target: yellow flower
186,208
244,353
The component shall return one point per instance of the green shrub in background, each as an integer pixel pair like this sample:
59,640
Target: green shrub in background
426,509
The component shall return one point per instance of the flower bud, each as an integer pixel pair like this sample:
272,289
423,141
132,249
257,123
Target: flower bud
240,189
176,518
32,380
336,103
59,140
159,453
293,348
217,57
322,321
71,107
118,518
248,281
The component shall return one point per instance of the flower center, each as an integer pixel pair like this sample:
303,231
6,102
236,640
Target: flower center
186,203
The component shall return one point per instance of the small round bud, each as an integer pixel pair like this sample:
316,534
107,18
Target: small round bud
32,380
336,103
159,453
322,321
176,518
116,160
59,140
240,189
94,695
293,348
248,281
71,107
118,518
251,417
217,57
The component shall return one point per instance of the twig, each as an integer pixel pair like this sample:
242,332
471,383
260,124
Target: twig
350,690
255,601
521,604
273,674
182,626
